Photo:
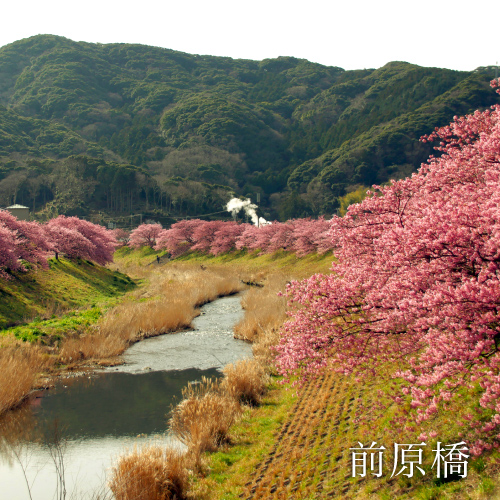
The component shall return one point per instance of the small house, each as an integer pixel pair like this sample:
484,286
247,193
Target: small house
19,211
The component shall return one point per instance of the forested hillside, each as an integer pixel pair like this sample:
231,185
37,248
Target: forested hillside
119,129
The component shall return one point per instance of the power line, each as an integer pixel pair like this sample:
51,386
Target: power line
110,218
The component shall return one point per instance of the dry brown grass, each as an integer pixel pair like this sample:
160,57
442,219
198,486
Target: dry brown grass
91,346
203,419
168,304
149,473
19,368
265,311
201,284
245,381
262,349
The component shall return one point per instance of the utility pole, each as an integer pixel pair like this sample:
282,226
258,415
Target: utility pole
258,201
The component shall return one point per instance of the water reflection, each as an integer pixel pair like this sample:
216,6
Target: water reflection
116,404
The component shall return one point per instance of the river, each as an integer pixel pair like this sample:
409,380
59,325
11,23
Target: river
96,417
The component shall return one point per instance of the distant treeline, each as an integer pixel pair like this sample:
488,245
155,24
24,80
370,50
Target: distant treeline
300,236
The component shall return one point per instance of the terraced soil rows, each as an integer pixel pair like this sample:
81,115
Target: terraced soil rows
311,456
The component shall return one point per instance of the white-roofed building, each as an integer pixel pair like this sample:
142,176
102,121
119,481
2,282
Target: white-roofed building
19,211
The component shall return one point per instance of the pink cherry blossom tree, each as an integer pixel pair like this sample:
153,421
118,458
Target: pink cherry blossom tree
145,235
417,280
78,238
8,254
31,245
264,235
225,237
69,241
281,236
178,239
248,237
203,235
122,237
311,235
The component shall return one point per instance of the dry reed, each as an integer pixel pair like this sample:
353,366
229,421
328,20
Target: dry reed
150,473
265,310
203,419
262,349
19,366
245,381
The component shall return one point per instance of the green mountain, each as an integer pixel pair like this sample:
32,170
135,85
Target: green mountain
120,129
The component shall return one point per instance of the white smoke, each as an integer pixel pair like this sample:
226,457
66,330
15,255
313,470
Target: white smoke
234,205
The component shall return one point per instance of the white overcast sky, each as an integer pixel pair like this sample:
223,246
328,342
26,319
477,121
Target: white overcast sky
352,34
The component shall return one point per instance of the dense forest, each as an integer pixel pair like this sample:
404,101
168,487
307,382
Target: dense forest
111,130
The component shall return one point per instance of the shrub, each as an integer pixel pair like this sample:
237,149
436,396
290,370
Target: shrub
149,473
203,419
245,381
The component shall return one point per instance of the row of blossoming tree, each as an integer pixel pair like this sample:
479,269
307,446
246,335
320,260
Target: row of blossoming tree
301,236
416,284
25,243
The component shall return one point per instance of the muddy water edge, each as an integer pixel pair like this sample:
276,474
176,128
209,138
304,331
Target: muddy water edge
85,422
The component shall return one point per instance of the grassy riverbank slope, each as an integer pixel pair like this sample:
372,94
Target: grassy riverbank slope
137,262
298,447
65,285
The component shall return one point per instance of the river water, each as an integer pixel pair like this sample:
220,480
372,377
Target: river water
97,417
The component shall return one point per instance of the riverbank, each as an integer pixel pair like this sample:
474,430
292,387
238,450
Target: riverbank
104,413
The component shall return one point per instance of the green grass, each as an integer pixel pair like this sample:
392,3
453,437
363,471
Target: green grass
278,261
56,327
251,439
65,285
142,256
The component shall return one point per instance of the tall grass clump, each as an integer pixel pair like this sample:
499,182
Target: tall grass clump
245,381
203,418
263,352
150,473
19,368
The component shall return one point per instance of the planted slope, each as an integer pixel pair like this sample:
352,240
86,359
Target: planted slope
310,456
